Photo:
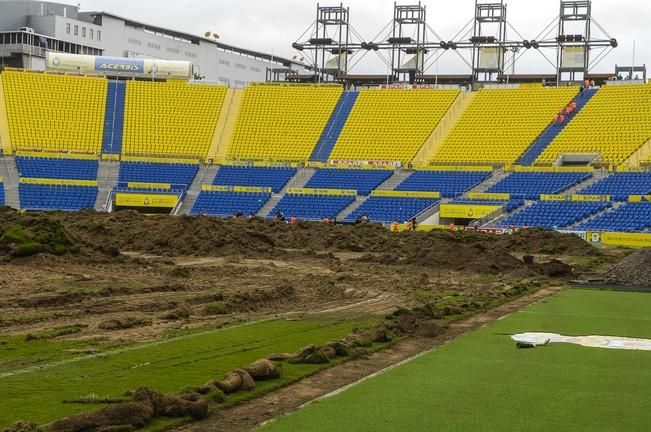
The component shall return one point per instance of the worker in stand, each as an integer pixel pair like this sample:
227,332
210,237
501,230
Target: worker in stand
395,226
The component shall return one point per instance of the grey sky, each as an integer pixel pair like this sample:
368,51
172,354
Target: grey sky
269,25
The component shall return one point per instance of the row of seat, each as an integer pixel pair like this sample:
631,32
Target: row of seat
227,204
168,173
51,197
531,185
311,207
554,214
390,209
628,218
49,168
620,186
275,178
363,181
449,183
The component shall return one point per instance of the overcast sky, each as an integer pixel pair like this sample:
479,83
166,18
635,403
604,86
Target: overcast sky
272,25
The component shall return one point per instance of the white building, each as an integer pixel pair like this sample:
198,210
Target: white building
29,28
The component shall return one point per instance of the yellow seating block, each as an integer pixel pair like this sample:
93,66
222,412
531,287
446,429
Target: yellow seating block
282,123
391,125
615,123
501,124
55,113
172,119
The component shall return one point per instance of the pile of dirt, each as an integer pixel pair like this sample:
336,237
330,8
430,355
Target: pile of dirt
137,413
34,235
109,234
634,270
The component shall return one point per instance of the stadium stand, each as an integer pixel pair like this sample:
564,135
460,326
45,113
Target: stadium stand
531,185
282,122
48,168
56,197
449,183
166,173
274,177
226,204
554,214
335,125
364,181
391,125
56,113
554,129
170,119
615,123
311,207
114,118
621,185
389,209
2,193
501,124
630,217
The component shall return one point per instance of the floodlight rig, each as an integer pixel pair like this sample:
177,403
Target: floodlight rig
488,43
409,37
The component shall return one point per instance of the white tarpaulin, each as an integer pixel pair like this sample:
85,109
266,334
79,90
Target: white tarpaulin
608,342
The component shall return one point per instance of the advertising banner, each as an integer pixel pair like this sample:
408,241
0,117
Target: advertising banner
465,211
146,200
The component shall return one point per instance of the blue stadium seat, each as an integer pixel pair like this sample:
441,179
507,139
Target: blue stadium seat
554,214
168,173
363,181
62,169
531,185
51,197
509,206
630,217
311,207
450,183
226,204
389,209
2,194
275,178
621,186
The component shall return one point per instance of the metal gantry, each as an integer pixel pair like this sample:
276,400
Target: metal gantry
410,43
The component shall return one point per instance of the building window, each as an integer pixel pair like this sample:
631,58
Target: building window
240,66
255,69
83,32
173,50
68,28
99,35
224,62
76,30
92,33
191,55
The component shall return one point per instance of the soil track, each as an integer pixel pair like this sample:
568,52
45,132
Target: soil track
249,415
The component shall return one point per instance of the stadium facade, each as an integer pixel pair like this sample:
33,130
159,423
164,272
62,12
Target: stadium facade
29,29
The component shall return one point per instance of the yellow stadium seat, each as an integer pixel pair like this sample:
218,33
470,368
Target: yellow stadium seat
615,123
501,124
171,119
282,123
55,113
391,125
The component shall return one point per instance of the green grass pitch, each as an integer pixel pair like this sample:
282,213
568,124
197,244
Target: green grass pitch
482,382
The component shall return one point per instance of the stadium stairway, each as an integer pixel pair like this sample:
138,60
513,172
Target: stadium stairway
428,213
9,174
359,201
506,215
491,181
335,125
108,176
614,207
114,117
548,136
443,129
206,176
399,176
225,128
303,175
597,176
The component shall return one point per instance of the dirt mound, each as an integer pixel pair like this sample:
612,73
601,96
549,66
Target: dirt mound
202,236
634,270
35,235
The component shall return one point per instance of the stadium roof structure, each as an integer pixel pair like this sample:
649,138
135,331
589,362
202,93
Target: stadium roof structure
194,39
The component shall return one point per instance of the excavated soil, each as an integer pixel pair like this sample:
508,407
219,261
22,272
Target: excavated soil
634,270
135,277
